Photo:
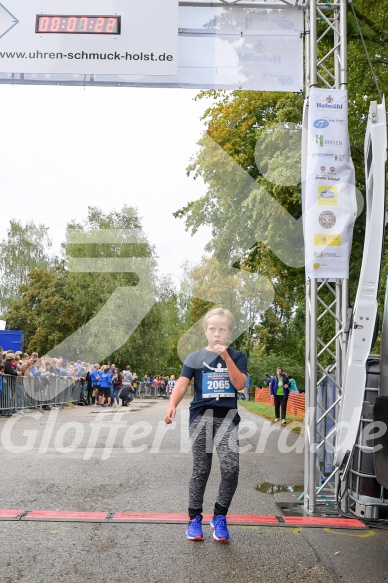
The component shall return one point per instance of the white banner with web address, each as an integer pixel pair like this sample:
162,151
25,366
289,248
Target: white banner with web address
79,36
228,47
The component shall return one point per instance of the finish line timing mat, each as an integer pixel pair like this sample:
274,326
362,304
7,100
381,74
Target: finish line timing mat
171,518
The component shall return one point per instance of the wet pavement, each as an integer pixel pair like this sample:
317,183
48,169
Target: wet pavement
88,459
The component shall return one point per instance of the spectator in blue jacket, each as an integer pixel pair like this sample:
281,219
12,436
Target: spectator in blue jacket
280,389
105,386
94,376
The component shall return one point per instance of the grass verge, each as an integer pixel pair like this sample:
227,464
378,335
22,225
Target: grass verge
267,411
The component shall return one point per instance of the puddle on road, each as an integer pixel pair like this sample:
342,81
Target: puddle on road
268,488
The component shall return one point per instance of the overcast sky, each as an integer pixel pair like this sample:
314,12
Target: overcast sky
63,149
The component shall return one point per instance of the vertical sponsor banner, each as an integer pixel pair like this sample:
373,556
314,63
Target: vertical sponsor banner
329,198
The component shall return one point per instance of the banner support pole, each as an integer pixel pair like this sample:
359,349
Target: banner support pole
330,72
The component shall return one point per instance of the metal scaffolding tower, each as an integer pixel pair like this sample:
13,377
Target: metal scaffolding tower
326,300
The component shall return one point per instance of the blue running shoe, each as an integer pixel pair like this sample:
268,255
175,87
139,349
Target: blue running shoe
194,529
220,530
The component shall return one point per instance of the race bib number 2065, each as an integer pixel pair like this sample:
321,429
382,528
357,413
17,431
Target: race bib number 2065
217,384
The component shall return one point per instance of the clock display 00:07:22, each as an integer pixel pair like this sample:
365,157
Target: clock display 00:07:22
62,24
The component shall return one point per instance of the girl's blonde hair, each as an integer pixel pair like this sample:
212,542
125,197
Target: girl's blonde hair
227,314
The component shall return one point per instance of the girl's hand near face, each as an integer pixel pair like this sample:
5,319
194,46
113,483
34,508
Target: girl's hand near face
220,349
237,377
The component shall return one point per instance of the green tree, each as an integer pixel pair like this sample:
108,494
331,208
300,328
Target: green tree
45,310
111,270
104,253
24,248
237,122
152,348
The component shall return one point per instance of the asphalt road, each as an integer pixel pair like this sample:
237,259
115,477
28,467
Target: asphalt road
85,458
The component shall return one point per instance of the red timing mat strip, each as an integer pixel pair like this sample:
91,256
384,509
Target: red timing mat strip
11,514
66,516
152,517
174,518
323,521
179,518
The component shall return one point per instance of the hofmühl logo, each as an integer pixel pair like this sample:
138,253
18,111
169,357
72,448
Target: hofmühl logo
329,105
253,58
259,47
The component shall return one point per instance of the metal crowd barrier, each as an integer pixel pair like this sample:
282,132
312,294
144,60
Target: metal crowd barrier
150,391
18,393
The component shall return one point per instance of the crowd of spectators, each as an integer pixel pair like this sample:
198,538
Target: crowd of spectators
99,385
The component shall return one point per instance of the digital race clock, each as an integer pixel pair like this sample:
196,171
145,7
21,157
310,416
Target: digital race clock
65,24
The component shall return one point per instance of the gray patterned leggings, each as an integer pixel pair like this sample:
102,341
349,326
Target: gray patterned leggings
206,432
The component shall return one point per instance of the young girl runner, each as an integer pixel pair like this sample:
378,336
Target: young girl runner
218,372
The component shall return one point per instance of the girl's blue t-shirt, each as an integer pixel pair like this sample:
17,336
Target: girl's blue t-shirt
196,365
